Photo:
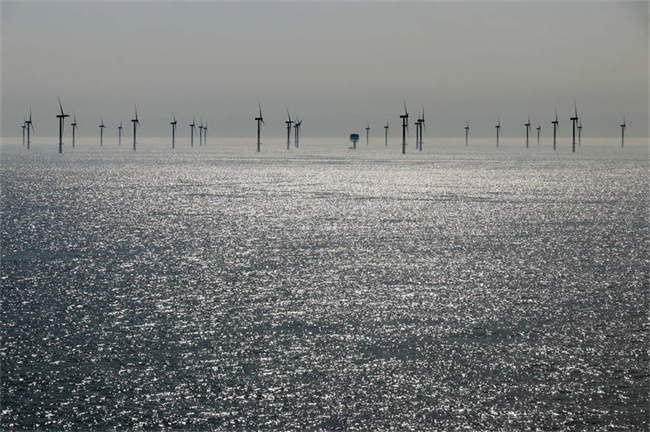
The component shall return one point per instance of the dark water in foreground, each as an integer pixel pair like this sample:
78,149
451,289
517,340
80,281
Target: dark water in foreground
317,290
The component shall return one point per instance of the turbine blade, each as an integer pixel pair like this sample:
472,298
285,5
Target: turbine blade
60,106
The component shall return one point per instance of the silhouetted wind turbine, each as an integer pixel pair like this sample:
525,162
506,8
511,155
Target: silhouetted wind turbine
574,120
30,128
61,118
527,124
297,127
498,127
260,122
74,127
136,123
386,134
423,128
466,132
173,123
623,126
579,132
205,133
367,133
539,128
24,126
556,126
192,126
201,127
101,132
405,126
289,122
119,133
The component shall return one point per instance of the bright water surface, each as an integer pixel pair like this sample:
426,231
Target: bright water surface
321,289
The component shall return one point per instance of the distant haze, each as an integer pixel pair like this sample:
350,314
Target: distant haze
337,65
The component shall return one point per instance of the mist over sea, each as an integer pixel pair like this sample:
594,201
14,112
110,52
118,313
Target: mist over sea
216,288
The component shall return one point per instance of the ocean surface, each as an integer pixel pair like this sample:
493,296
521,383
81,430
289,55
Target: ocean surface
322,289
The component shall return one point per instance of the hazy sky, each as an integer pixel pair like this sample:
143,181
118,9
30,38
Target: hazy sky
334,64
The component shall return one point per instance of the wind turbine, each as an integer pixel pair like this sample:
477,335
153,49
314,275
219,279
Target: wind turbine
579,132
367,133
466,132
289,122
556,126
498,127
386,134
574,120
539,128
297,127
205,134
527,124
173,131
623,126
260,122
101,132
136,123
119,133
74,127
201,133
405,127
61,118
24,126
423,128
30,127
192,126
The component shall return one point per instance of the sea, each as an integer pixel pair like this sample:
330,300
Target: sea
215,288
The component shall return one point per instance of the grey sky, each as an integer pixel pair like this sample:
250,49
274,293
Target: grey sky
335,64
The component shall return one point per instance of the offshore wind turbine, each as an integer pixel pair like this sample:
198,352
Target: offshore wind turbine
297,127
192,126
405,127
527,124
579,132
119,133
30,128
24,126
74,127
423,128
101,132
556,126
539,128
574,120
201,127
260,122
367,133
498,127
466,132
623,126
386,134
289,122
136,123
205,133
173,123
61,118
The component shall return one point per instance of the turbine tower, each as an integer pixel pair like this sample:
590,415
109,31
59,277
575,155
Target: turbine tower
201,133
74,127
30,127
173,123
386,134
119,133
539,128
260,122
289,122
205,133
192,126
423,128
136,123
623,133
527,124
61,118
367,133
556,126
24,126
574,120
405,126
466,132
498,127
101,132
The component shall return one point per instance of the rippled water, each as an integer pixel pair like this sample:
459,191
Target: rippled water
320,289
